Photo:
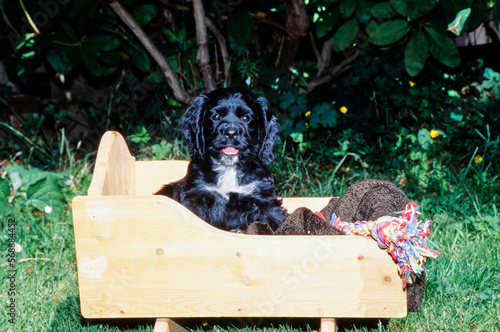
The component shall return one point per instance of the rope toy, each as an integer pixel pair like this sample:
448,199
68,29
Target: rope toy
403,237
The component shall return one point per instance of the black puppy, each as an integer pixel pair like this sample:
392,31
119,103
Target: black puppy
231,137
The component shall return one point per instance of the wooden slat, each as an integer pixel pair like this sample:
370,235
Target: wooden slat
147,256
114,172
152,175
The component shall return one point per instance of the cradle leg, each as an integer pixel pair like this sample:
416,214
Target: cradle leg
167,325
328,325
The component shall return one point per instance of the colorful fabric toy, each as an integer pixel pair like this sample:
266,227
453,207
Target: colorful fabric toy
404,238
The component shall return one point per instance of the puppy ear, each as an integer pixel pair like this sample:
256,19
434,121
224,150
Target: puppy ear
269,132
191,127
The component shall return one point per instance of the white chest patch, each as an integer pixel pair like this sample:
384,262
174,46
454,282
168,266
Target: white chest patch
227,182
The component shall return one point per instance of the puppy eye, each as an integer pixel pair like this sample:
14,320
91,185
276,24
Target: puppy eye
245,118
216,117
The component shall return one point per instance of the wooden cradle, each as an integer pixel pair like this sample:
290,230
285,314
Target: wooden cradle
141,255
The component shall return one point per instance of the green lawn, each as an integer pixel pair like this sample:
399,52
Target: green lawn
462,290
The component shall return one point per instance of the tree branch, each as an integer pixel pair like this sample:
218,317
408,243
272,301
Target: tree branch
226,60
297,25
202,42
325,56
170,75
314,47
336,71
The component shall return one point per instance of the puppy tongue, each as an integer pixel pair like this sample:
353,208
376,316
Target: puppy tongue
230,151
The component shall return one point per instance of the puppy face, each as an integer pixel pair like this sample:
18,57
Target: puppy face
230,126
231,130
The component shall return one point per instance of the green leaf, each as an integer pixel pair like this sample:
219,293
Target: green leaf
388,32
383,10
111,58
58,60
24,68
457,117
156,77
347,7
90,62
458,23
490,74
416,53
141,135
96,43
400,6
4,188
144,14
442,47
480,12
239,30
363,11
286,100
345,35
137,55
107,71
326,22
70,32
322,114
329,119
5,207
424,138
452,7
413,9
25,57
46,192
297,137
171,37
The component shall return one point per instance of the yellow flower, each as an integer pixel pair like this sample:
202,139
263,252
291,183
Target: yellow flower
343,109
307,125
308,113
261,14
478,159
434,133
412,84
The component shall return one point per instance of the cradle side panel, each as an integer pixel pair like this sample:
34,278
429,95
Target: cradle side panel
114,172
152,175
147,256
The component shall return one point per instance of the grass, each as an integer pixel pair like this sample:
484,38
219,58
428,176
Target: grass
462,289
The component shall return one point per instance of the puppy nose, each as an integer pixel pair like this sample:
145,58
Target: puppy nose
230,133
